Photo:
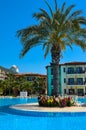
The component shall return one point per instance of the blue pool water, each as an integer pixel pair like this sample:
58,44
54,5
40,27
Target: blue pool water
10,120
82,100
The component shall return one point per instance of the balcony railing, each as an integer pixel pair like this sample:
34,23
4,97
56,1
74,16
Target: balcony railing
76,83
76,72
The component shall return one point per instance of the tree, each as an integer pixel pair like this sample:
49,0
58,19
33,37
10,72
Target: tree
1,88
55,30
39,86
28,86
4,85
11,81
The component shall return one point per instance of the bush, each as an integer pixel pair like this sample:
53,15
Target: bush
50,101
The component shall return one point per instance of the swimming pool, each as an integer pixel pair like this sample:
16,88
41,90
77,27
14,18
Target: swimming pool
15,121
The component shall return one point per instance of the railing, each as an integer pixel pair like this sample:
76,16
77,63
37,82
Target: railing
76,83
76,72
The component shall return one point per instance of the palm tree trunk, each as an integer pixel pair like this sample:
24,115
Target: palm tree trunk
55,53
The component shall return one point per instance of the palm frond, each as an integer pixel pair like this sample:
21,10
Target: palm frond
63,7
81,20
64,44
24,33
47,49
30,44
44,45
81,43
42,15
66,13
55,3
49,8
75,14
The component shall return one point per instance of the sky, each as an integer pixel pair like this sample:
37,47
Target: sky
16,15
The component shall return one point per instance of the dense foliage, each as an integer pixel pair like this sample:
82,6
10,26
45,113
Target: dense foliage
12,85
51,101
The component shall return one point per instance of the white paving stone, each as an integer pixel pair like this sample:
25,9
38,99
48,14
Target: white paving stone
36,107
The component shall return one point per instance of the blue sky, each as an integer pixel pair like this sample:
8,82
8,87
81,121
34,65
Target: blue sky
17,14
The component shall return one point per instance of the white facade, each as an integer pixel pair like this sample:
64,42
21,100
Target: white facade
73,78
2,74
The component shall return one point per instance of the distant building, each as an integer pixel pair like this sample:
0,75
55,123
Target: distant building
72,78
31,77
14,69
4,71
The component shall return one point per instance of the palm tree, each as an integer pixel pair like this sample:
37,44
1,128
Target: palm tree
11,81
39,85
5,87
55,30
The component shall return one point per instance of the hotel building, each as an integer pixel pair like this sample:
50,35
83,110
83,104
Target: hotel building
72,78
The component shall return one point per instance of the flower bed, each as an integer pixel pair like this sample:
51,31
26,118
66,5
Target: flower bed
50,101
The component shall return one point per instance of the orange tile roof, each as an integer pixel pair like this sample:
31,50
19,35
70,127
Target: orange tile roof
75,63
71,63
31,74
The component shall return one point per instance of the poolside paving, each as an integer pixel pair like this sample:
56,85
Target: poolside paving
36,107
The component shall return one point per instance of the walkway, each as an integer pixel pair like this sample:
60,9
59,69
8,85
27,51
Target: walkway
35,107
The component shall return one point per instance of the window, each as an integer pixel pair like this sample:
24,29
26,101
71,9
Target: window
63,69
85,79
80,81
71,91
79,70
70,70
85,69
30,78
71,81
64,80
64,91
80,92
